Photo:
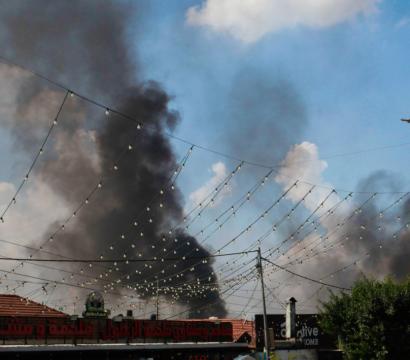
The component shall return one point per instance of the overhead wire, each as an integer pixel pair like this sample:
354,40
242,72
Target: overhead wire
171,135
168,134
346,236
305,277
34,161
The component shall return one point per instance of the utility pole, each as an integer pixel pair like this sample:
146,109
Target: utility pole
265,319
157,302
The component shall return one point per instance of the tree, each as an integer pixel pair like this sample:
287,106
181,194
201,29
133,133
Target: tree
371,322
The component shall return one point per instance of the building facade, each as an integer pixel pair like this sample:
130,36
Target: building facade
33,331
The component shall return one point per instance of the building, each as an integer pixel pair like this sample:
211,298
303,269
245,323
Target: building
17,306
242,330
29,330
295,336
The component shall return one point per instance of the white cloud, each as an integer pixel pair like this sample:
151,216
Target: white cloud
12,80
249,20
27,221
302,162
6,191
219,173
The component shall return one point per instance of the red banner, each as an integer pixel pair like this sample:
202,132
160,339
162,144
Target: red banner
109,330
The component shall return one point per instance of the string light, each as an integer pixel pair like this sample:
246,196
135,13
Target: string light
345,237
100,184
34,162
291,236
82,203
317,241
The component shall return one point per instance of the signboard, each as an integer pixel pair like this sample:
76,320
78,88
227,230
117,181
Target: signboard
308,332
108,330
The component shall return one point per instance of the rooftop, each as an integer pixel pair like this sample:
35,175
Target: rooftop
239,327
14,305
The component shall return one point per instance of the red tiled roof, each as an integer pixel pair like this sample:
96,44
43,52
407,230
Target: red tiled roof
239,327
14,305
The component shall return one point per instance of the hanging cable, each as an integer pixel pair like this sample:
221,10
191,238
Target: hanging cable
36,157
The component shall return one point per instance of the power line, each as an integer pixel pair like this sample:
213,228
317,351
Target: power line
276,225
125,116
85,201
125,260
245,230
165,259
356,211
213,302
344,237
250,298
320,219
259,218
36,157
305,277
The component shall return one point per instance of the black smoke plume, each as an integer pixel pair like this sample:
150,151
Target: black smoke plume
265,115
376,239
86,44
383,235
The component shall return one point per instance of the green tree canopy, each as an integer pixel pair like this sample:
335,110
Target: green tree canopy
371,322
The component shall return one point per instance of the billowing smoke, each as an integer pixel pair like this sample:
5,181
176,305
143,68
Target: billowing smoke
382,234
265,116
371,230
86,44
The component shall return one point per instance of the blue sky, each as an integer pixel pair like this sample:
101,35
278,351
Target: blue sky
351,78
348,81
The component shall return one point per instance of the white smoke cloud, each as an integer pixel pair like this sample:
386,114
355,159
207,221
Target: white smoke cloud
311,253
220,172
250,20
28,219
6,191
11,81
302,162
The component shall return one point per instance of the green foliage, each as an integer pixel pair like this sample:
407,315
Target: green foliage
373,322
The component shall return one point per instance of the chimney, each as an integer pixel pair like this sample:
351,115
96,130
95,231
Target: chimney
291,318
